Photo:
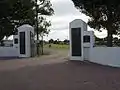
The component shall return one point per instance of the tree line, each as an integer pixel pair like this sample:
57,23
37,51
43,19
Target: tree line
52,41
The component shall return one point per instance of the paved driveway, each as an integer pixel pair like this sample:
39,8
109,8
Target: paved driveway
56,73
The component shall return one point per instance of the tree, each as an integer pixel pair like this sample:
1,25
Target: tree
66,41
4,20
51,41
115,41
13,14
18,12
43,26
103,13
100,41
56,42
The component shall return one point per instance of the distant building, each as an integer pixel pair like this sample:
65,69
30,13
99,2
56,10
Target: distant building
7,43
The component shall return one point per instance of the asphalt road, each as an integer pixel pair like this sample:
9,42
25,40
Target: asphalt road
56,72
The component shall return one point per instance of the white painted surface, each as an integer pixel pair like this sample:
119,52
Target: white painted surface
86,54
27,29
102,55
106,56
8,43
15,50
78,23
87,46
8,52
75,58
27,45
91,43
15,45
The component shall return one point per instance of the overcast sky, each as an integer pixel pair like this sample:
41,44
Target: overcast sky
65,12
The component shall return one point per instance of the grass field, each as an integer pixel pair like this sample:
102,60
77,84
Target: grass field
57,46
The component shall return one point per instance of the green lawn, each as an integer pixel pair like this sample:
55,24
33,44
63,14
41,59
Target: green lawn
57,46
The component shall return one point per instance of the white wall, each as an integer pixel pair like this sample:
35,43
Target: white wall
77,23
27,44
86,53
15,37
91,43
26,28
8,42
106,56
8,52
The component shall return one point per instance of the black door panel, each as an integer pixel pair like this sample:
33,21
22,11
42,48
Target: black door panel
76,42
22,43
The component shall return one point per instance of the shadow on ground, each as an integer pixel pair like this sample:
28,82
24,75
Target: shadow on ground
65,75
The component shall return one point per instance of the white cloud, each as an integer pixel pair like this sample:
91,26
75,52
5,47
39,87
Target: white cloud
62,35
102,34
65,12
60,23
64,7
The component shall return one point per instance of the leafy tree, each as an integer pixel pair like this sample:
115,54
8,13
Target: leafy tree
51,41
4,20
43,26
100,41
115,41
103,13
17,12
56,42
66,41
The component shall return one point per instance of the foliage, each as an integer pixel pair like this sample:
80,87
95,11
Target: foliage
17,12
100,41
51,41
103,13
66,41
43,26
